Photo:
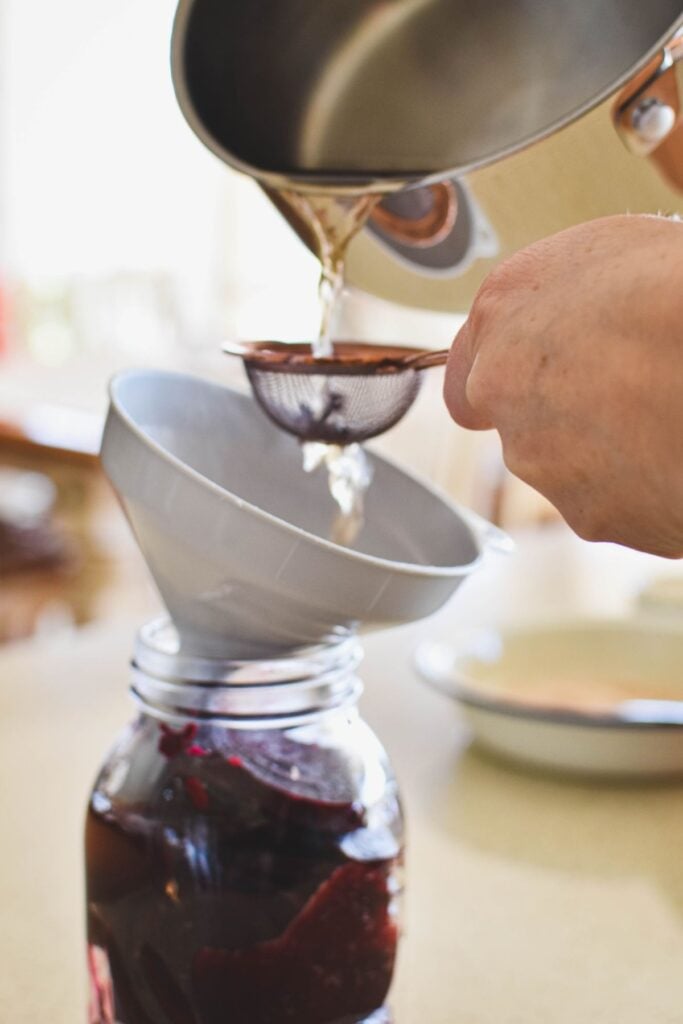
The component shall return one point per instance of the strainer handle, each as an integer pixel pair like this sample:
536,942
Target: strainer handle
423,360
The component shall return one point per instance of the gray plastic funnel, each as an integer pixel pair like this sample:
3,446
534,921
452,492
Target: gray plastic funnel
234,532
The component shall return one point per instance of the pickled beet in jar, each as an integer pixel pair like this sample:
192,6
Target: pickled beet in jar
243,846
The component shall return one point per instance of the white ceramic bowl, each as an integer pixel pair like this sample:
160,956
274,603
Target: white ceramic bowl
596,697
662,600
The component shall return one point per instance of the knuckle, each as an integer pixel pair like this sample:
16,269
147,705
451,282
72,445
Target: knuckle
519,271
519,462
582,527
482,387
587,521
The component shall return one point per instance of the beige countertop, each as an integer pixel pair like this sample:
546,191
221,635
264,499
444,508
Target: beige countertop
529,898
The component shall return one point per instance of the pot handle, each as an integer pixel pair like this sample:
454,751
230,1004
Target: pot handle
423,360
650,108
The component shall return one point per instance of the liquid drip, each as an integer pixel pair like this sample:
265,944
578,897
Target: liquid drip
349,475
331,222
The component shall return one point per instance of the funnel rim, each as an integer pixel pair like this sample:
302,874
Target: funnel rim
410,569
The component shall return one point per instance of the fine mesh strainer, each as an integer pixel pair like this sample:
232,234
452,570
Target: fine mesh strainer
356,393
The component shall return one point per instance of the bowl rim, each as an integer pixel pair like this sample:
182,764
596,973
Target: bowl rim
635,714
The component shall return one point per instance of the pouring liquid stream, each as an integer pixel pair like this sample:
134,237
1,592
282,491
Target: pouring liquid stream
331,222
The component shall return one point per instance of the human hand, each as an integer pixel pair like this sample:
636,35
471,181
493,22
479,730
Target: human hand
573,351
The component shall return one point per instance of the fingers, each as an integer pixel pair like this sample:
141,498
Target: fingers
459,368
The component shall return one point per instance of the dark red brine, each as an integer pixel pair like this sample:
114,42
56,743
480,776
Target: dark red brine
242,876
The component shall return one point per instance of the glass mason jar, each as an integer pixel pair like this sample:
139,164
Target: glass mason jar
243,846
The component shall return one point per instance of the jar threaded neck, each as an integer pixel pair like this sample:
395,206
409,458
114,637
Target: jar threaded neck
284,690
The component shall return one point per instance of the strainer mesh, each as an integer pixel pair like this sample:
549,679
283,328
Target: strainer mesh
334,408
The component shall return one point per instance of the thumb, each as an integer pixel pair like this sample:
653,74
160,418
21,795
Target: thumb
461,361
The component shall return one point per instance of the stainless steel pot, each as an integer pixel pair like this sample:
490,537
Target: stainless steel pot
491,123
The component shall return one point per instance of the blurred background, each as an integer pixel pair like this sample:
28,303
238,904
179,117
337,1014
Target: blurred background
123,242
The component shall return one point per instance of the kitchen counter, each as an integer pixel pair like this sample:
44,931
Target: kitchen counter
529,898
